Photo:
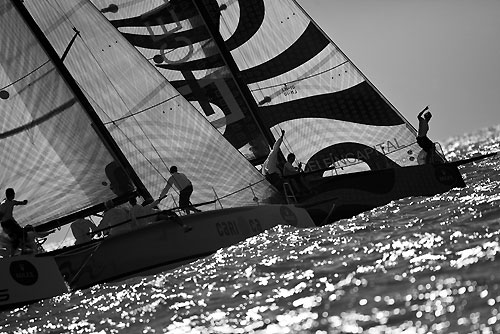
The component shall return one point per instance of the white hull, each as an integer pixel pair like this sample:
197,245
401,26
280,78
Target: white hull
166,245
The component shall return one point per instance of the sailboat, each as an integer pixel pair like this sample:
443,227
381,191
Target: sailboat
82,110
256,67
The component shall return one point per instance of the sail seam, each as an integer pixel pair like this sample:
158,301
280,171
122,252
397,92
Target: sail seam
132,114
301,79
133,144
26,75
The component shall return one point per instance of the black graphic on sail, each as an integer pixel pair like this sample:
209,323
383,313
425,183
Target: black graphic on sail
292,76
173,36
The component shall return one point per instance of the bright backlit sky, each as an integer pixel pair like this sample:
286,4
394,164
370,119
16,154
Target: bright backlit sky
442,53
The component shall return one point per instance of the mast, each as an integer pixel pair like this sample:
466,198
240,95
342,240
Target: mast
233,68
99,127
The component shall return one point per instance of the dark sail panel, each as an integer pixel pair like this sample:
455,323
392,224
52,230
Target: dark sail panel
51,154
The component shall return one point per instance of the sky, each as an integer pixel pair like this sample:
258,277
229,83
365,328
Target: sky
441,53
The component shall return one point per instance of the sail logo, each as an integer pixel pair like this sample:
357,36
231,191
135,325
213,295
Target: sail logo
182,40
227,228
289,90
444,176
375,156
23,272
195,88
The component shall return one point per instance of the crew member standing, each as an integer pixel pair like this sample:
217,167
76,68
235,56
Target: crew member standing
185,187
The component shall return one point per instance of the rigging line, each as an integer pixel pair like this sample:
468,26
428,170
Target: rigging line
408,124
244,188
132,114
62,12
286,83
134,145
63,239
300,79
120,97
26,75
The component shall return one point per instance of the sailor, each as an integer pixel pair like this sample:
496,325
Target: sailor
32,245
289,170
82,229
9,225
144,214
423,141
116,219
185,187
270,168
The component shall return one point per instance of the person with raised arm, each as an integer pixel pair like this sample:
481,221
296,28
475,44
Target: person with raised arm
431,156
10,226
270,168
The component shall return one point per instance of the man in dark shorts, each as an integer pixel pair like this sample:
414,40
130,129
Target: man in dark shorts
185,187
423,141
9,225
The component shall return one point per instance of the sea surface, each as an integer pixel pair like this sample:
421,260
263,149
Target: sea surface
417,265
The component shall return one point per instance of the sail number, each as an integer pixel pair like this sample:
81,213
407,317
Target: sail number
230,227
289,90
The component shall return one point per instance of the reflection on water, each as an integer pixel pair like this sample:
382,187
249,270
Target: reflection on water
418,265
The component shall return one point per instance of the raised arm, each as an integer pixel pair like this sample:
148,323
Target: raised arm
422,112
277,144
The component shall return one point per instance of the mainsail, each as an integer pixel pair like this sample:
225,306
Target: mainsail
51,154
292,76
58,161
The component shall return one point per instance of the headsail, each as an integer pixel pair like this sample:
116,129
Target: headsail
299,80
152,123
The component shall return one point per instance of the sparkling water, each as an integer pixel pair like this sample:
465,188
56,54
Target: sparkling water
417,265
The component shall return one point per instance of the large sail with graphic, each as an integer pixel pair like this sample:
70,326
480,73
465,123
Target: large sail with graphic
58,162
174,38
293,76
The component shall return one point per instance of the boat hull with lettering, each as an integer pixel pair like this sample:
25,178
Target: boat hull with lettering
344,196
166,244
